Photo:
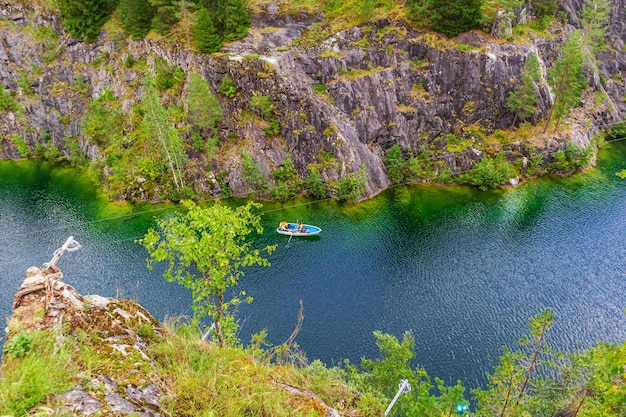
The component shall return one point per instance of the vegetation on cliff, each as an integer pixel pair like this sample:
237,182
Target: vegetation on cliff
109,357
187,134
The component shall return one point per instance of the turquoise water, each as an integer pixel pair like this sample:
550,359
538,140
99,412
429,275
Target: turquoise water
463,270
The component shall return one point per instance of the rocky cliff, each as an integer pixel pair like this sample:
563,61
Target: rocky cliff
68,354
341,102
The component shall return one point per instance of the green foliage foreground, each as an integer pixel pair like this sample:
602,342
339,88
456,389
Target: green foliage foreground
200,378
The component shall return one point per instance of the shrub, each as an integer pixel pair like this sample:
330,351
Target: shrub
227,87
351,187
19,346
315,186
488,173
395,164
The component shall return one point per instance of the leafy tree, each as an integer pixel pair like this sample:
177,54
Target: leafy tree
252,175
352,186
156,121
288,182
205,250
595,15
507,391
523,100
104,121
452,18
84,18
206,37
395,164
315,186
204,108
488,173
567,79
136,17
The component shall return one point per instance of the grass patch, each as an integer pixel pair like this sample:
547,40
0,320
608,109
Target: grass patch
352,74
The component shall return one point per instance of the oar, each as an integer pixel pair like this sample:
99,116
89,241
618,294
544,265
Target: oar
290,236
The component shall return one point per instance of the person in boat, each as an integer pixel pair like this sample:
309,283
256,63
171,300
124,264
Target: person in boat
283,225
300,227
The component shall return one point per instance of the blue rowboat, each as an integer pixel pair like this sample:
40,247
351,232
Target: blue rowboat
292,229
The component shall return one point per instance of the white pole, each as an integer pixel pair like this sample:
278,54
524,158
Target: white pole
403,388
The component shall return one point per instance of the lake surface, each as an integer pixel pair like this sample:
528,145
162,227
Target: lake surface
463,270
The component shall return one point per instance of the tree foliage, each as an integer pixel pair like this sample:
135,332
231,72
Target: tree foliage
231,18
204,108
84,18
166,14
156,121
205,250
104,121
136,17
523,100
567,79
206,37
453,18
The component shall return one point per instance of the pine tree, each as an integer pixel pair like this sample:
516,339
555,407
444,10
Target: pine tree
567,79
523,101
204,108
452,18
165,15
83,19
206,37
237,20
136,17
230,17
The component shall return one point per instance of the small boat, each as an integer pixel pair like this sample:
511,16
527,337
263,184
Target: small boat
293,229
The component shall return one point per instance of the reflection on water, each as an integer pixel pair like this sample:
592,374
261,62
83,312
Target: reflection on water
463,270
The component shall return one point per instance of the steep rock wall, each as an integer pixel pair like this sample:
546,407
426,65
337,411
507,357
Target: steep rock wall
384,84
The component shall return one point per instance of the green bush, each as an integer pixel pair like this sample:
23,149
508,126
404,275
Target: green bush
6,101
19,346
21,145
252,175
167,75
351,187
263,104
227,87
395,164
272,129
488,173
315,186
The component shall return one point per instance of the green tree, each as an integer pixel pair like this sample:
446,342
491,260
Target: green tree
544,11
206,37
104,121
395,164
507,393
136,17
252,175
156,121
205,250
352,186
567,79
452,18
204,108
166,15
288,182
84,18
231,18
523,100
315,185
488,173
